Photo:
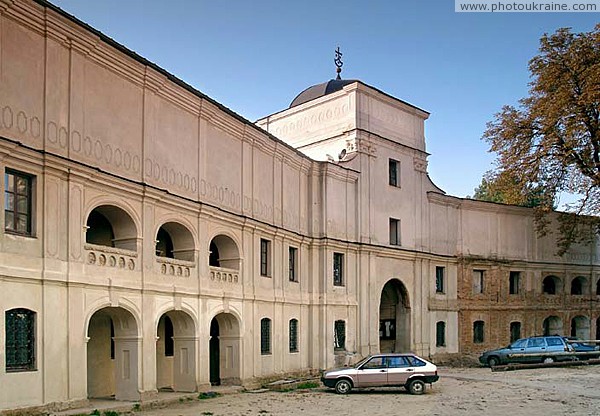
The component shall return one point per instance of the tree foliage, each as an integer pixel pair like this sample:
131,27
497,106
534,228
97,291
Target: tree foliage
503,188
551,143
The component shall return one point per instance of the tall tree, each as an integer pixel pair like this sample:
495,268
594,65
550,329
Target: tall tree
503,188
551,143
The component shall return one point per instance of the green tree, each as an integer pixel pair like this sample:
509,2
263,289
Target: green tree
551,143
502,188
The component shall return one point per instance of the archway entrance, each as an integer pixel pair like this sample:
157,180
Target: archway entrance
552,325
580,327
394,318
112,355
176,352
225,350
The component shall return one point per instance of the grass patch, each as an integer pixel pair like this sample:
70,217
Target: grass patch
208,395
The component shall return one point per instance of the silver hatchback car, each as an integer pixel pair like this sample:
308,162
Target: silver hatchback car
384,370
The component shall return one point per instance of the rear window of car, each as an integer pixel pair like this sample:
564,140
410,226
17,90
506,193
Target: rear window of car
554,341
415,362
397,362
536,342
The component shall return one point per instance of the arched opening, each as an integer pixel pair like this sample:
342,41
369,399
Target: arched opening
394,318
225,350
176,352
598,288
224,253
175,241
112,355
111,226
579,286
552,325
598,328
580,327
550,285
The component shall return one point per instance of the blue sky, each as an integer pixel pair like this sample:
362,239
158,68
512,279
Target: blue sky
256,56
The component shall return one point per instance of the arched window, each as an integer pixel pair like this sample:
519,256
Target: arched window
478,332
265,336
99,230
164,244
293,335
20,340
440,334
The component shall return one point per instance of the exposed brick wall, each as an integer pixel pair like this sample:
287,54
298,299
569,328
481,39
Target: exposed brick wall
497,308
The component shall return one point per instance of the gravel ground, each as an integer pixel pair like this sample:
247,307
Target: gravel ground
573,391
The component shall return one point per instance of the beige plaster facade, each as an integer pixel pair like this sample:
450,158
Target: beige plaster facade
161,228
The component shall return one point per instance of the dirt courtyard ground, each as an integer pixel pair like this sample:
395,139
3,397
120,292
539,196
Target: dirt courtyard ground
573,391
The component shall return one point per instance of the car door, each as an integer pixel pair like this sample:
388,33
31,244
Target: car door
399,370
373,373
536,347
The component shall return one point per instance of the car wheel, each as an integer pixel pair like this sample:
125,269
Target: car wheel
343,387
416,387
493,361
548,360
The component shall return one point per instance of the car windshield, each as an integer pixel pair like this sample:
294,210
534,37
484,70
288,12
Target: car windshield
361,362
518,344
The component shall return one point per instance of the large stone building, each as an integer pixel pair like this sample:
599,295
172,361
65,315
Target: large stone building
152,238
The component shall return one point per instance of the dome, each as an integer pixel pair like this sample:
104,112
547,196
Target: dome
320,90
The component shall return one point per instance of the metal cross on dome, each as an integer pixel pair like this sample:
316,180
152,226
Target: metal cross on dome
338,62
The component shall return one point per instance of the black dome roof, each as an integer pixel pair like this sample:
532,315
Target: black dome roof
320,90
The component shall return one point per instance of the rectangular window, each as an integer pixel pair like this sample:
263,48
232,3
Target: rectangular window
265,336
339,335
478,281
439,279
17,202
338,269
394,232
19,340
514,283
440,334
265,257
293,260
515,331
394,172
293,335
478,332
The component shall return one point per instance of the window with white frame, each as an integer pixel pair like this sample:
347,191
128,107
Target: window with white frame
293,264
265,257
394,172
394,232
440,272
478,281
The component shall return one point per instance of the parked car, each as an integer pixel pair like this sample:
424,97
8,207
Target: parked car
579,346
526,350
384,370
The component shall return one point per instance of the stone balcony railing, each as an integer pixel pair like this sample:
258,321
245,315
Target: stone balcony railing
175,267
104,256
225,275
